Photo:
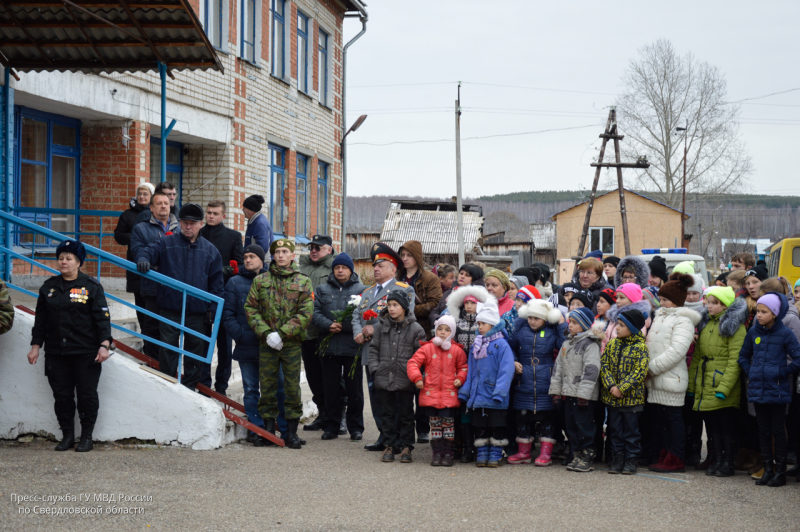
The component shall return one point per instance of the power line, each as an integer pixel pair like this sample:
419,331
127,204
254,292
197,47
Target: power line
776,93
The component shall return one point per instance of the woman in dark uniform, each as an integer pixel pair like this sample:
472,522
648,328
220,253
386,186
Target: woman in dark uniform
73,324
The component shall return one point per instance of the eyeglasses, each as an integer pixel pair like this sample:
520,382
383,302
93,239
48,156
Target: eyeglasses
314,247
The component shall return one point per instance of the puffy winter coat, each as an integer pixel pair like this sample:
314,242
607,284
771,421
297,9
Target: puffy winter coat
258,231
715,366
639,266
442,368
393,344
536,351
332,296
763,359
611,315
577,369
668,340
489,378
624,364
234,317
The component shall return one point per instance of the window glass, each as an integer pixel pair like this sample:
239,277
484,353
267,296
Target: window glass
34,140
33,186
796,256
322,199
322,60
64,135
302,52
278,38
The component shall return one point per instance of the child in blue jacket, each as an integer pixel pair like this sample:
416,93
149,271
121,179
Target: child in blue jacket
536,339
491,368
763,358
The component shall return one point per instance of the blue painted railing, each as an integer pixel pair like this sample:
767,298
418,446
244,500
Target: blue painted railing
99,255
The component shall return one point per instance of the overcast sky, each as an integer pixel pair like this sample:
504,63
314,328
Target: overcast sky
542,67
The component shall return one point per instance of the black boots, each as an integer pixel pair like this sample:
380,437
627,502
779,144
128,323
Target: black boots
779,478
85,444
269,426
67,439
290,438
766,478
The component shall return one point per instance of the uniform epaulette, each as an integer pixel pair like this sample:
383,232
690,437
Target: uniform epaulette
401,284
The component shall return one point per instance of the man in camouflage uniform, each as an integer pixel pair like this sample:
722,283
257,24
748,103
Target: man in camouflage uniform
279,309
385,263
6,309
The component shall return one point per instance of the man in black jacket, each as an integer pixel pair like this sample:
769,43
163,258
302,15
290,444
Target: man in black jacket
229,244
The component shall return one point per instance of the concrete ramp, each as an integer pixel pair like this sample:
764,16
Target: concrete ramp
134,403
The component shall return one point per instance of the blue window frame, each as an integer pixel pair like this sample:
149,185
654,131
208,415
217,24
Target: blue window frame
174,164
47,168
247,48
322,198
277,166
302,52
213,12
322,59
278,38
301,220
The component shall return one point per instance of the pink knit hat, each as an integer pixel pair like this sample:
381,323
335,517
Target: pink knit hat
772,302
631,290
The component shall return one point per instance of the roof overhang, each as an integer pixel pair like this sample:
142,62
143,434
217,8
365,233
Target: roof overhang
95,36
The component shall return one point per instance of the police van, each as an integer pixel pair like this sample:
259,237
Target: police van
673,256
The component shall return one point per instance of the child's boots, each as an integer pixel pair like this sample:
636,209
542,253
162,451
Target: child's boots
436,448
481,452
523,455
496,452
447,452
545,452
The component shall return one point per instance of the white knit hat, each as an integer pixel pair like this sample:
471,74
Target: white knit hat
488,314
539,308
450,322
699,284
148,186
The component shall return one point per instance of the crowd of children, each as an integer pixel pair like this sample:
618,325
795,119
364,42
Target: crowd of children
628,369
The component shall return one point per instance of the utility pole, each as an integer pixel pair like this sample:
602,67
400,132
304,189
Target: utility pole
683,193
459,207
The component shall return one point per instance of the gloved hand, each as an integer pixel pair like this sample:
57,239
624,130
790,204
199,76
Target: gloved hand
719,395
227,271
143,265
274,341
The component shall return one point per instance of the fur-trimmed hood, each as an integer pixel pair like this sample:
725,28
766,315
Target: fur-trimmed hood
641,267
693,315
456,297
642,306
730,320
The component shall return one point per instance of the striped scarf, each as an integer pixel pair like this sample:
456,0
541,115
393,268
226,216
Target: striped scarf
481,345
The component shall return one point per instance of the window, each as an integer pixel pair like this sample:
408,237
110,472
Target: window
48,168
602,238
302,52
277,165
301,224
174,164
278,38
212,14
322,199
247,50
322,59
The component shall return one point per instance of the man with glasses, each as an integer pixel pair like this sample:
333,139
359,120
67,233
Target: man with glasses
317,265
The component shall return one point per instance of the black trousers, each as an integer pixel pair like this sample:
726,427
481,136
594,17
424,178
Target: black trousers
693,422
147,324
721,431
420,418
192,369
334,369
224,350
71,376
580,424
526,421
488,423
397,418
771,420
669,429
625,436
312,364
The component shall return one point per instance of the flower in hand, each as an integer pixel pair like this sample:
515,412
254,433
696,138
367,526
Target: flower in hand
369,315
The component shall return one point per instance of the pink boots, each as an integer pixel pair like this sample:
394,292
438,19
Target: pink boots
545,452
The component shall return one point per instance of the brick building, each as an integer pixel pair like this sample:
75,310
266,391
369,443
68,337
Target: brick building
270,125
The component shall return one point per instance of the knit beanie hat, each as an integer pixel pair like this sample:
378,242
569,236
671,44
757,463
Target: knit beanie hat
570,288
595,254
500,276
583,317
254,202
450,322
633,319
528,292
686,267
473,271
676,288
699,284
518,281
400,297
255,249
585,297
343,259
488,314
148,186
72,246
772,302
631,290
608,294
759,270
796,283
539,308
724,294
658,267
611,259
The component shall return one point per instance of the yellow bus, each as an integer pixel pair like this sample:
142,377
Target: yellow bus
784,259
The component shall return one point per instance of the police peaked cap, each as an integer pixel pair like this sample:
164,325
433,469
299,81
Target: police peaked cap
381,252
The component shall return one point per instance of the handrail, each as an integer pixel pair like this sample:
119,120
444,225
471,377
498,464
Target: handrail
185,289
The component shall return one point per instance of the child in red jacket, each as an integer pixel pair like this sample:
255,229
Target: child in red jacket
445,367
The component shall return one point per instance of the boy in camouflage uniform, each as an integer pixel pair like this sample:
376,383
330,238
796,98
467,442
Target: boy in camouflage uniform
279,309
6,309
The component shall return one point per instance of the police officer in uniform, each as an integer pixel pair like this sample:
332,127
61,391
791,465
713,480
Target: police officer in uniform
385,263
73,324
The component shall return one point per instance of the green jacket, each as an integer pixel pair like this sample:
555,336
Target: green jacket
280,299
318,272
715,362
624,364
6,309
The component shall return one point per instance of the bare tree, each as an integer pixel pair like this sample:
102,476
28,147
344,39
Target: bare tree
664,92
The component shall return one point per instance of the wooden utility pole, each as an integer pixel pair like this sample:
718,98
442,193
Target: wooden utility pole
610,133
459,207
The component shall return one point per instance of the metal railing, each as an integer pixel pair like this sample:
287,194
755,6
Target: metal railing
104,256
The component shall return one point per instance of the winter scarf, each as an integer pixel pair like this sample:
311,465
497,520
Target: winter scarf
482,343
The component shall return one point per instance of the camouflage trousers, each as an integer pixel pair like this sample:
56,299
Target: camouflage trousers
270,362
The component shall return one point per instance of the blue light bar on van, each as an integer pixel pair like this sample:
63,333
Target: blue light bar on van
655,251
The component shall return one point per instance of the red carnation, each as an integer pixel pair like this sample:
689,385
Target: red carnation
168,233
370,314
235,265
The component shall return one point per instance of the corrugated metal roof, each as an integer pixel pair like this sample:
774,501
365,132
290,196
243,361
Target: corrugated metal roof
103,36
436,230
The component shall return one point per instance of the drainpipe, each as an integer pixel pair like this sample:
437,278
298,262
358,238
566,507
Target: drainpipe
362,15
8,134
